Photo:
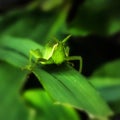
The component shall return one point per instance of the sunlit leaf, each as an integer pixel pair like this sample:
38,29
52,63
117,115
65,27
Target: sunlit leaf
45,109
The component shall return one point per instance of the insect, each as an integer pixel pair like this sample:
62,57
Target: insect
55,52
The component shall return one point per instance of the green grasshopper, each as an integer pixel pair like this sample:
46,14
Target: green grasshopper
55,52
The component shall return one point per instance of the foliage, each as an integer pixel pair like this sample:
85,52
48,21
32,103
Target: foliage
64,88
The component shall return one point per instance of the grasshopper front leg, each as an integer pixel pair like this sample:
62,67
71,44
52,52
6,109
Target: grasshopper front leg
79,58
33,55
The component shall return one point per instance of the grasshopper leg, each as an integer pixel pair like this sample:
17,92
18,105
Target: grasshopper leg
79,58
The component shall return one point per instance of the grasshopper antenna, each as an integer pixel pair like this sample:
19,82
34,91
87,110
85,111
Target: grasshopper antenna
64,40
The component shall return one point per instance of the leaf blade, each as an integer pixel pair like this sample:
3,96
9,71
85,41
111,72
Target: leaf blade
9,92
65,90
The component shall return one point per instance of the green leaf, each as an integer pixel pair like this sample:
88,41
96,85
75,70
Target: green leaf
68,87
107,80
64,84
96,17
34,24
44,108
16,52
109,87
12,106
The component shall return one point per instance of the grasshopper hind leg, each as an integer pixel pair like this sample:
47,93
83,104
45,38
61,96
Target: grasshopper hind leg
79,58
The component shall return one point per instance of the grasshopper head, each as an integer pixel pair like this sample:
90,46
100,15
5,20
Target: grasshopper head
56,50
61,51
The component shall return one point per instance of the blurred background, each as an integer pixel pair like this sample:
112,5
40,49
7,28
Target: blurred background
93,24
